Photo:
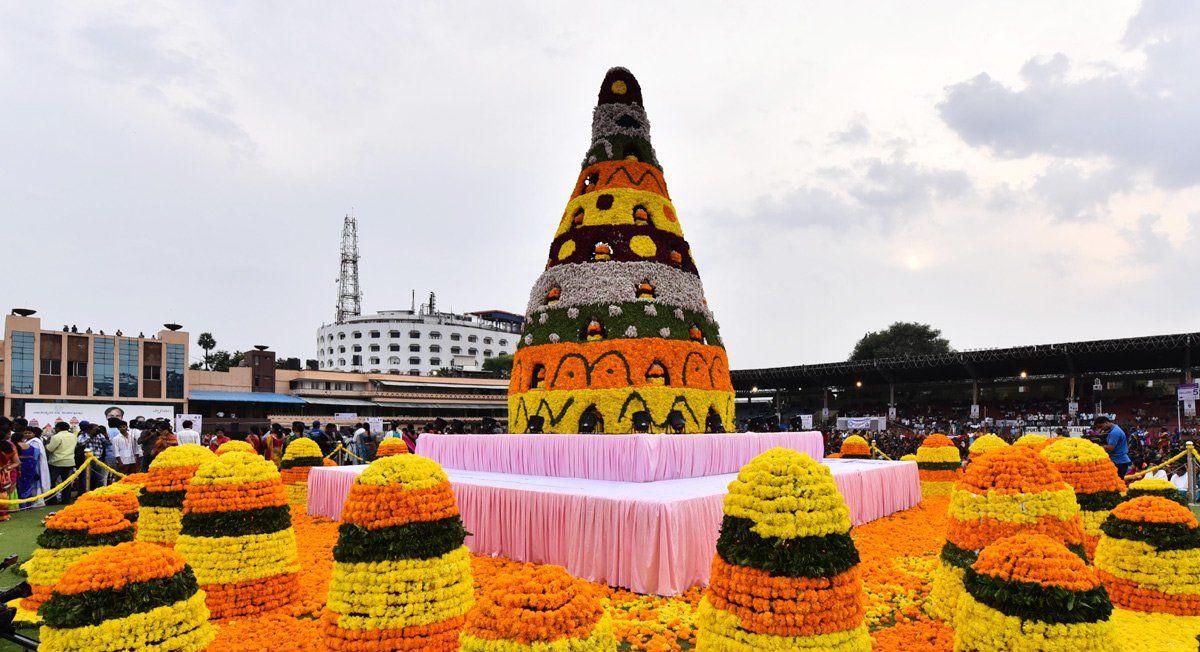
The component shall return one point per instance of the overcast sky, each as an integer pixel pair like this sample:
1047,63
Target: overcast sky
1013,173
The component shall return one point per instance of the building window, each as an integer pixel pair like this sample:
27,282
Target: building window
414,348
434,348
356,361
414,360
375,335
374,347
414,372
374,361
503,342
394,360
358,348
102,371
341,336
341,349
51,367
435,361
341,362
472,338
435,335
487,340
487,353
393,347
455,337
22,363
151,372
357,335
76,369
472,351
175,370
128,385
455,350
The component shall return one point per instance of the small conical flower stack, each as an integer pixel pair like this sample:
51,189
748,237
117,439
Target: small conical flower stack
908,458
401,574
1087,468
984,444
237,535
1028,592
135,596
161,499
391,446
71,534
939,465
1157,487
855,448
786,574
1033,440
235,445
1149,557
539,608
299,458
1002,493
124,497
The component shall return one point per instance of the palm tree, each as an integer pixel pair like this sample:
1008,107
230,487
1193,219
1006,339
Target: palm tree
208,343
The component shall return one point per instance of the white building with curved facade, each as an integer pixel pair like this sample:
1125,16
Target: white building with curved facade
416,342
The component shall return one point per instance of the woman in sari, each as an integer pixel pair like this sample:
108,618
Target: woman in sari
33,458
10,467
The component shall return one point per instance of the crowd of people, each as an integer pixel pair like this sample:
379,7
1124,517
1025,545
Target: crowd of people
34,460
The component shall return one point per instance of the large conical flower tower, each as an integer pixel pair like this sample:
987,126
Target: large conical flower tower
785,576
618,335
1087,468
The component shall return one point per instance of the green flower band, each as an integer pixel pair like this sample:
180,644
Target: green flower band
645,317
1030,601
301,461
1170,494
939,466
818,556
417,540
618,147
1163,536
59,539
1101,501
63,611
262,520
161,498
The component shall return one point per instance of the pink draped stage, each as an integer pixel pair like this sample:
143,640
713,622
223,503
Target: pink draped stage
625,458
648,537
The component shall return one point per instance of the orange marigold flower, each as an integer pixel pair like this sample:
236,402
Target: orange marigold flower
1035,558
114,567
92,516
1154,509
1015,469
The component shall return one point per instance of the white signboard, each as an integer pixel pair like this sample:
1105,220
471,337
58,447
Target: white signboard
42,413
975,411
1189,408
196,419
806,421
1189,392
376,424
345,416
1073,408
892,412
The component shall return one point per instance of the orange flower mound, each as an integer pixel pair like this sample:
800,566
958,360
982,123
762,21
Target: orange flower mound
92,517
137,479
1153,509
855,446
115,567
1011,470
1038,559
272,631
787,606
537,604
391,446
125,502
937,440
379,506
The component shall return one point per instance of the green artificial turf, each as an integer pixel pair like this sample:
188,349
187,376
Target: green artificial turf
18,536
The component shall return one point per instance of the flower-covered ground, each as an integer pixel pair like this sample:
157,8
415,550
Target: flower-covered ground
898,555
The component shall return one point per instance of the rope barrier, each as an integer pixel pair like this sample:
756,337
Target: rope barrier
347,451
62,485
1140,474
881,453
105,466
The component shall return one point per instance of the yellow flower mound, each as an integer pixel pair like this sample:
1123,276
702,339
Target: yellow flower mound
1032,439
1013,507
115,635
1140,631
909,458
987,629
410,472
938,454
234,445
182,455
1153,484
986,443
302,447
229,560
787,495
235,467
1074,449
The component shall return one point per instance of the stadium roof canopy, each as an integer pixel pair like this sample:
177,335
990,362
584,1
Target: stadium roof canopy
1157,352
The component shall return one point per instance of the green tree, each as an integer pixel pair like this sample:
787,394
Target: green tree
900,340
224,360
499,366
208,343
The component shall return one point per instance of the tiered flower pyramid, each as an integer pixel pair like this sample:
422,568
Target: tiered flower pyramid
617,328
984,444
237,536
134,596
161,499
1028,592
391,446
785,575
939,465
1157,487
1149,561
1087,468
1033,440
401,574
299,458
1002,493
71,534
124,497
855,447
538,608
